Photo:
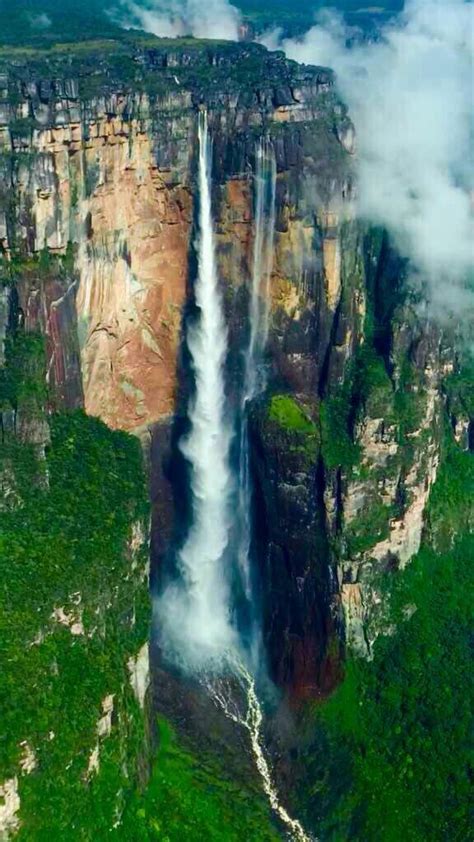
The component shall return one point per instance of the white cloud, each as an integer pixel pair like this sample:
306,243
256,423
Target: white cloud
410,97
173,18
41,21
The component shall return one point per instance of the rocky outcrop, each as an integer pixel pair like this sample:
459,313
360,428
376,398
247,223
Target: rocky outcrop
39,299
383,503
292,547
344,461
9,821
139,670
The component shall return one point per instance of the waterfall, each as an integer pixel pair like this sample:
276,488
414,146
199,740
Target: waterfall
195,612
265,181
259,306
220,688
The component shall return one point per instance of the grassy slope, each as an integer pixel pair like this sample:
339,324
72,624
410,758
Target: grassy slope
66,539
192,797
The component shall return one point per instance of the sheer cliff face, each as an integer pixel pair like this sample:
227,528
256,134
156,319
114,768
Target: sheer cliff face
75,611
113,174
345,445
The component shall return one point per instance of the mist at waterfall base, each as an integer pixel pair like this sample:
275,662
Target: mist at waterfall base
194,613
205,616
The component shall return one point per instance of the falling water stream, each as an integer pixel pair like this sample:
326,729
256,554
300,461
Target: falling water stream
265,187
195,612
265,181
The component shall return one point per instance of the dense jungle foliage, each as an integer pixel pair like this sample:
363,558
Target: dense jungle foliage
192,796
74,606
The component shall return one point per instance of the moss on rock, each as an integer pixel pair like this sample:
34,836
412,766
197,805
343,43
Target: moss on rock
293,419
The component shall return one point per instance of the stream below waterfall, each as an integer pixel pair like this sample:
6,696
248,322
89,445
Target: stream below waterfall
221,692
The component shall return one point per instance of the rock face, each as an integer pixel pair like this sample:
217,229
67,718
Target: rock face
293,549
111,175
75,608
344,459
100,151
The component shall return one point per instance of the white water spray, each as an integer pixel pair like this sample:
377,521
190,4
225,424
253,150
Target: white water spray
265,180
196,611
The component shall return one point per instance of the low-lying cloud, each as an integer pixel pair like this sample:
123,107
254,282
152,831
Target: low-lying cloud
410,97
175,18
40,22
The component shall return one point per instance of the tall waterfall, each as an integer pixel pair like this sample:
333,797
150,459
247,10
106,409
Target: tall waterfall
196,610
254,381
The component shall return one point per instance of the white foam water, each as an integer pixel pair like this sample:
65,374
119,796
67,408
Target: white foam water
195,612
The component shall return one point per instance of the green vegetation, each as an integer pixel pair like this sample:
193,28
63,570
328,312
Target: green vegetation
409,401
370,380
460,389
390,758
37,267
290,415
41,24
74,605
294,422
369,527
192,797
101,66
22,382
294,18
366,389
338,447
451,509
369,391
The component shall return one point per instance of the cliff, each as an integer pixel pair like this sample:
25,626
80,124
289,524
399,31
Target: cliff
98,148
74,565
104,160
98,152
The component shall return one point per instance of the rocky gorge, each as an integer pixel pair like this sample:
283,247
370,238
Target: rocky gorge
98,157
